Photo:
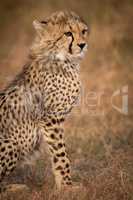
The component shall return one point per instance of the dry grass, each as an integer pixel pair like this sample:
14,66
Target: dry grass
99,138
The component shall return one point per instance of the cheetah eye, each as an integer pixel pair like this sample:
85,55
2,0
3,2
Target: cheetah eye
43,22
84,31
68,34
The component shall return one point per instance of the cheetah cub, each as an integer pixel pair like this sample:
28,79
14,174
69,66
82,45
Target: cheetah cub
34,106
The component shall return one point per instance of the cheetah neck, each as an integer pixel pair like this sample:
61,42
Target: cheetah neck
52,53
33,73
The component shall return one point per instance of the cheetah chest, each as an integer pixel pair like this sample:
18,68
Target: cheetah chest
63,92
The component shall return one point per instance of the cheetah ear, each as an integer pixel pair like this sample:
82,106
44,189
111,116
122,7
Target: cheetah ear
39,26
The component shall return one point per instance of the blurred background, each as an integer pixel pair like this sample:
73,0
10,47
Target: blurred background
99,133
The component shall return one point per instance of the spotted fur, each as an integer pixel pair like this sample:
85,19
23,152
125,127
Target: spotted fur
34,106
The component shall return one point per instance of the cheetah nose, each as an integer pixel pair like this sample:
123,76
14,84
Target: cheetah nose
81,45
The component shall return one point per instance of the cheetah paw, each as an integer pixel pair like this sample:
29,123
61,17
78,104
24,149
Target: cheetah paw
17,188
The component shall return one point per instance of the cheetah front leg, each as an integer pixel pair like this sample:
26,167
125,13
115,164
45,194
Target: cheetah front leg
60,162
9,156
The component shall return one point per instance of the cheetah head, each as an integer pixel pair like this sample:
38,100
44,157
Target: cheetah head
63,34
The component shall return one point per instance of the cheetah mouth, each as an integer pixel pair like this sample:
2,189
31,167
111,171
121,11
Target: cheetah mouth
81,54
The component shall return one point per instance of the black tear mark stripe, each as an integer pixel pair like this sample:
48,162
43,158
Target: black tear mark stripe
70,46
2,99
